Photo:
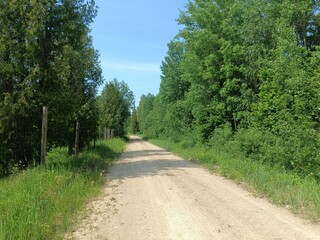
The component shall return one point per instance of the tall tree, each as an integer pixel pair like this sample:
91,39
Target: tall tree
251,65
116,104
144,114
173,87
46,58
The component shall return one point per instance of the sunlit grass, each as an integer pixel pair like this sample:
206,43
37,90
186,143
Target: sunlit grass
41,203
300,195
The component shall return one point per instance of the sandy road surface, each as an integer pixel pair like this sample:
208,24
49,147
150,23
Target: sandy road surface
152,194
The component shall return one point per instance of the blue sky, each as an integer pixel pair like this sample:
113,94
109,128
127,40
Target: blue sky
132,38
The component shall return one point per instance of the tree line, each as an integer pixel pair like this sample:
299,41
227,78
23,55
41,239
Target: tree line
47,59
243,71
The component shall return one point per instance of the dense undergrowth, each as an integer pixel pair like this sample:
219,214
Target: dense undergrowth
301,194
41,203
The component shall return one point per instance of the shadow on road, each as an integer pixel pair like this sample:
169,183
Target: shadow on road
143,161
145,168
144,153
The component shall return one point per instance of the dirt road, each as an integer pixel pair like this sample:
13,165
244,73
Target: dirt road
152,194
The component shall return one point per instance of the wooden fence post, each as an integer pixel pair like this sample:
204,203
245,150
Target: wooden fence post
105,134
44,135
108,133
112,133
76,144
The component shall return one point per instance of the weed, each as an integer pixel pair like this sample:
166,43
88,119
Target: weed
40,203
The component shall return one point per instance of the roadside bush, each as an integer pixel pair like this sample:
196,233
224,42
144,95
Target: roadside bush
297,152
250,141
302,149
221,136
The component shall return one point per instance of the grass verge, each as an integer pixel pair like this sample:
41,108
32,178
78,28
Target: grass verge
300,195
40,203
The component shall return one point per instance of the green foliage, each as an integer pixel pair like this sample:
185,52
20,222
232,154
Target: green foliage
42,203
133,122
243,74
172,87
116,103
145,116
46,59
221,136
178,121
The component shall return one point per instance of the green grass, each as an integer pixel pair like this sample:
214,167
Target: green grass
300,195
42,203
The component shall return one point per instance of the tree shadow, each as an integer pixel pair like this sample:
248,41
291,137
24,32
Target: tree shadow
145,153
145,168
146,163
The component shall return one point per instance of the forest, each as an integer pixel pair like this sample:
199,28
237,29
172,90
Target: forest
240,90
47,59
242,76
239,76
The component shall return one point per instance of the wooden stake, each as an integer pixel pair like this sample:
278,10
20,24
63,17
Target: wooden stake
76,143
44,135
108,133
112,133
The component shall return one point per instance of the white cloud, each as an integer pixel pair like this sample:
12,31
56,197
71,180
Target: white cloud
125,66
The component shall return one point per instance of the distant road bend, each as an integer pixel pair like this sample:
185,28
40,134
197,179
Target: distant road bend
152,194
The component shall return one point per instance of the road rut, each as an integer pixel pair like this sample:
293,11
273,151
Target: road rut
153,194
